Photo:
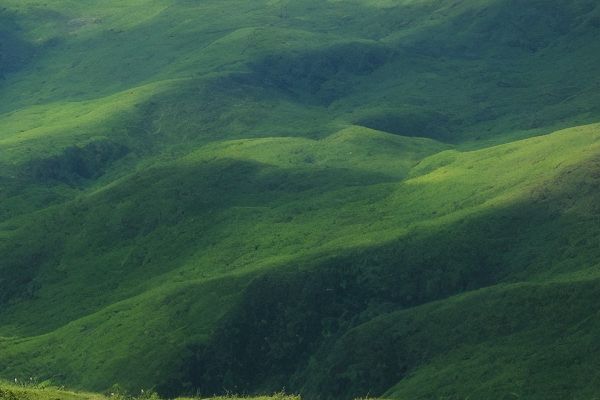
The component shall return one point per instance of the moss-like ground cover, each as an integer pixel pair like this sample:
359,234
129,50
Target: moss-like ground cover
333,198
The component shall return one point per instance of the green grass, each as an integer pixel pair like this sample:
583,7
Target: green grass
304,195
43,392
21,392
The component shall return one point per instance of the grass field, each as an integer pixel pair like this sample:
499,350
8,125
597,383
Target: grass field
339,199
39,392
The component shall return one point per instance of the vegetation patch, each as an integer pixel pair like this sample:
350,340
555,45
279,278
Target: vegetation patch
332,198
323,74
76,164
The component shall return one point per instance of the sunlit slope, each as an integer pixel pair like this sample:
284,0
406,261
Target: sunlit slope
200,212
172,280
542,231
236,195
396,67
171,76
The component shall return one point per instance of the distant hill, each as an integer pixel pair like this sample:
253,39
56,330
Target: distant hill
338,199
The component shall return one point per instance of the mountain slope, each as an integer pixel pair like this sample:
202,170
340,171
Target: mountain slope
249,196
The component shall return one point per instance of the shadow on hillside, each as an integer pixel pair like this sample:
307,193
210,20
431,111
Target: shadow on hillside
76,164
15,52
290,330
320,76
136,213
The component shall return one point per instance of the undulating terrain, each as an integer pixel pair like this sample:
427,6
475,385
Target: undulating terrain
331,198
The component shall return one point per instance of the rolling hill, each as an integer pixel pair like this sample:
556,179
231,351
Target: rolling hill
339,199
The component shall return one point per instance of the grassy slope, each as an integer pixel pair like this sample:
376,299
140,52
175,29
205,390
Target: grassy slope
515,230
15,392
36,392
248,153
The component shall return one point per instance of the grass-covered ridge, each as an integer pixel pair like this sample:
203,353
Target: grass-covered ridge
251,196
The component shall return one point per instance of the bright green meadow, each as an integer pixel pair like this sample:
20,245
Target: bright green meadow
339,199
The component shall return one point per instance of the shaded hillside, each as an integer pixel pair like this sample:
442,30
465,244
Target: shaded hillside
339,199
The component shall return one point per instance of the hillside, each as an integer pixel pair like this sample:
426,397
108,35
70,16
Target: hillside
35,391
332,198
20,392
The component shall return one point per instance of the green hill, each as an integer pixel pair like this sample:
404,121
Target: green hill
35,391
334,198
